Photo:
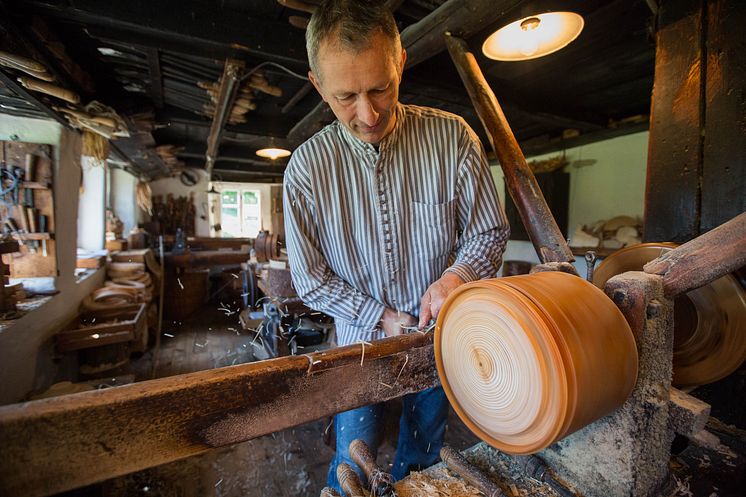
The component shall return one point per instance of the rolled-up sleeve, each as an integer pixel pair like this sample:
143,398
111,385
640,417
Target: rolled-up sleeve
315,282
482,222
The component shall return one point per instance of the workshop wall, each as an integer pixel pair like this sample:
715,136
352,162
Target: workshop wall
611,186
265,201
175,187
122,199
27,346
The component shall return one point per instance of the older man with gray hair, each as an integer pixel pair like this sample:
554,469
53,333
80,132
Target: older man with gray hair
387,211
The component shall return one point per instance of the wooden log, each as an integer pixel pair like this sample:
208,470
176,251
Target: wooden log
57,444
542,229
205,258
473,476
702,260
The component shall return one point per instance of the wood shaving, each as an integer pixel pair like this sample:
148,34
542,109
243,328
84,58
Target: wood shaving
419,485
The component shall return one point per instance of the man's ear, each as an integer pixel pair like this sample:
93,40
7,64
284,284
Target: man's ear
316,84
403,61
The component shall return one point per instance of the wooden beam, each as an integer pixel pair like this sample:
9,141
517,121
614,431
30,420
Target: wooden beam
62,443
229,84
724,147
702,260
463,19
545,235
156,79
186,26
672,209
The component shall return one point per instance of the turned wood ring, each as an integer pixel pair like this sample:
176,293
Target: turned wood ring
709,337
527,360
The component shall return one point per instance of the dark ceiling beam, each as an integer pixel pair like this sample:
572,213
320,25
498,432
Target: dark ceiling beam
229,85
190,27
463,19
156,78
422,40
235,164
257,125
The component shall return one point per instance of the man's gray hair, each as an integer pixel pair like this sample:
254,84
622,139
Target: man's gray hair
352,23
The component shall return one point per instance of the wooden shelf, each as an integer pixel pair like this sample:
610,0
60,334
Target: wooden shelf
34,236
35,185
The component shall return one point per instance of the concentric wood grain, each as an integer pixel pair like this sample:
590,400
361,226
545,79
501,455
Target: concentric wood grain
525,360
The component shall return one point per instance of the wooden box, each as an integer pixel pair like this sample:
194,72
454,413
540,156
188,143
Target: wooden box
101,330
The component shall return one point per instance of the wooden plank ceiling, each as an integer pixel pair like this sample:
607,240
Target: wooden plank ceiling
156,63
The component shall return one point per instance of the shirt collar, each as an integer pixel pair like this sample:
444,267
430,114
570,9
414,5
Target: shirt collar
390,139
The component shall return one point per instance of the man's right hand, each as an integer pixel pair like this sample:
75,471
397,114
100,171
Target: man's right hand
393,322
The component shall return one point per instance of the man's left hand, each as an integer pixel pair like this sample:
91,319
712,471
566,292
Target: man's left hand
434,297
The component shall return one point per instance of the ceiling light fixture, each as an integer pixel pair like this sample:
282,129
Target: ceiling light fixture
533,36
273,153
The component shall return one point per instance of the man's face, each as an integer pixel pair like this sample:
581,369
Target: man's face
361,88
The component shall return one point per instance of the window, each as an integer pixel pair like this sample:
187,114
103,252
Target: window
240,213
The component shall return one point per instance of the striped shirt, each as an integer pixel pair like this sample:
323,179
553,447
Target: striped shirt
372,227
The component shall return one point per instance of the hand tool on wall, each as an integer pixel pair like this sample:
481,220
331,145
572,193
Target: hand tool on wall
44,228
380,482
349,481
30,167
473,476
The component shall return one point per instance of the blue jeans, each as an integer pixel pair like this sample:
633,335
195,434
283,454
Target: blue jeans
421,429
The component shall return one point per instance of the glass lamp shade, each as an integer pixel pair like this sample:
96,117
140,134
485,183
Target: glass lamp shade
273,153
533,36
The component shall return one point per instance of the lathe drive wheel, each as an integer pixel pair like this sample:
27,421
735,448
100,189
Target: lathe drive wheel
709,322
527,360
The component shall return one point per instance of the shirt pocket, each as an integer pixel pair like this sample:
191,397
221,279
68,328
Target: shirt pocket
433,229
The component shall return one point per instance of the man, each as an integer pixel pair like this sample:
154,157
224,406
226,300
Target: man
387,211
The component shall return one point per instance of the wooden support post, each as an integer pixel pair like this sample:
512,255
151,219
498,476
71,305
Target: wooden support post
229,85
548,241
61,443
702,260
696,155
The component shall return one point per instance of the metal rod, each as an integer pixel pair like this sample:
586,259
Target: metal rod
545,235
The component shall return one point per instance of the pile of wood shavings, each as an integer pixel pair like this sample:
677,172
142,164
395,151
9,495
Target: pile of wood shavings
442,485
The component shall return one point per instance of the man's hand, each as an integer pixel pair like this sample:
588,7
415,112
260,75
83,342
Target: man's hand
393,322
434,297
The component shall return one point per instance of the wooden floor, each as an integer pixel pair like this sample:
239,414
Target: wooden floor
211,339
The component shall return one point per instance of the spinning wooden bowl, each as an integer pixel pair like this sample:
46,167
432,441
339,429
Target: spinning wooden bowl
527,360
709,322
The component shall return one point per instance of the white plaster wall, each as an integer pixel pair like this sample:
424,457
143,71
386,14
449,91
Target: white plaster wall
92,205
614,185
123,201
26,347
174,186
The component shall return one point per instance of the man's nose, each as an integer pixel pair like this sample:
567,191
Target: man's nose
366,112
